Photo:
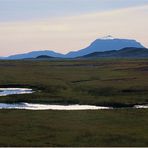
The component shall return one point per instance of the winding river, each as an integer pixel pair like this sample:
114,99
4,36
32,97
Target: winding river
33,106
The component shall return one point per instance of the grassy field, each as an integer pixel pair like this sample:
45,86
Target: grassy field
74,128
98,82
110,82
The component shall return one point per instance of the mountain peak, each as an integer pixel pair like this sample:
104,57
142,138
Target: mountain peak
108,37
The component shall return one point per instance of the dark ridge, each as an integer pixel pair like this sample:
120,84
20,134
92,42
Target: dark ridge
44,57
129,52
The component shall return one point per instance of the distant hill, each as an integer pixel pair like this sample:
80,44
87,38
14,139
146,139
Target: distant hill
34,54
105,44
129,52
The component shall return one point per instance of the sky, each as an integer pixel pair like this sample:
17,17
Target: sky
67,25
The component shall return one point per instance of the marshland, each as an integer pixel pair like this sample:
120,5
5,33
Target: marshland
120,83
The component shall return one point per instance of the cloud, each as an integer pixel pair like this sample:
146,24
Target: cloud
20,10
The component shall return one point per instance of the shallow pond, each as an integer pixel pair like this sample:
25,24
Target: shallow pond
13,91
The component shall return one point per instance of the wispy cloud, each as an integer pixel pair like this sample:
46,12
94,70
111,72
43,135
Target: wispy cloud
19,10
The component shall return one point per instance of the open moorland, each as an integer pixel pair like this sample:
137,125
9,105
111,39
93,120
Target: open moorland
120,127
107,82
98,82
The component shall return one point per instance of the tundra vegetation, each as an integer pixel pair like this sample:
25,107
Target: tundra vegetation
106,82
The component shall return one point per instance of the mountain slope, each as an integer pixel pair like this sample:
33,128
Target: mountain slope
130,52
105,44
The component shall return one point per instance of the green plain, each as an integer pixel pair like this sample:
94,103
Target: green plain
109,82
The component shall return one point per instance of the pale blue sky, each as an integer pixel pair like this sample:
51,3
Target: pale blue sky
18,10
64,25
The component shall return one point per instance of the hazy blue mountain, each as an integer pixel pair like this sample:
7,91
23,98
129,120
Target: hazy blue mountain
1,57
34,54
105,44
129,52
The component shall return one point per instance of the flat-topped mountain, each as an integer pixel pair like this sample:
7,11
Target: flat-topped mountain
105,44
